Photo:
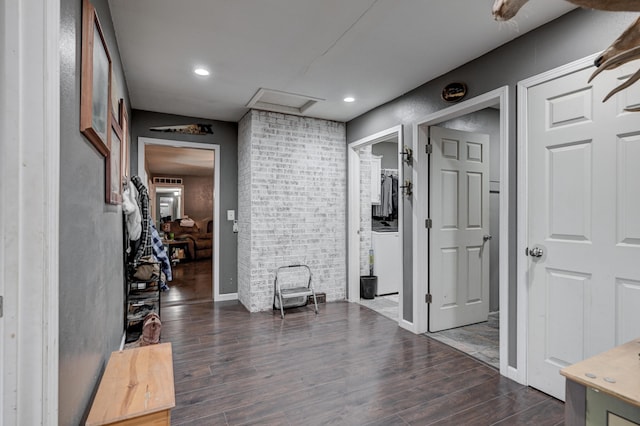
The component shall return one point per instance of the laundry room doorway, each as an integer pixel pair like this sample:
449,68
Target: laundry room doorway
375,222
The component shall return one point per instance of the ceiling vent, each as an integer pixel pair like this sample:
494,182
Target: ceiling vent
167,180
277,101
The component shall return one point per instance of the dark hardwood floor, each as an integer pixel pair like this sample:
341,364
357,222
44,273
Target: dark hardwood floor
191,283
346,366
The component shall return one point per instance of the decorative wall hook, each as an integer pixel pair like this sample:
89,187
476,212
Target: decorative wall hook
407,188
408,154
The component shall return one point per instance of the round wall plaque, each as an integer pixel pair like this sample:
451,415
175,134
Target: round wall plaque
453,92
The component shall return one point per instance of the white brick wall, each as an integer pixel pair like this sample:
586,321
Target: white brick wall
365,208
291,203
244,205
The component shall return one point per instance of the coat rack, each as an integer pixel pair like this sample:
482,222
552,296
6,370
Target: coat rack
407,188
408,154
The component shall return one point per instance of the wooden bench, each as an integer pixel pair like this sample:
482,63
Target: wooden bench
136,388
609,384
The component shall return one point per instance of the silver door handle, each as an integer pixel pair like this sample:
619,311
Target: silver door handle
534,252
486,238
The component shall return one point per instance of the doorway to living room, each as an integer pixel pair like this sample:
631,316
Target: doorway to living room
183,182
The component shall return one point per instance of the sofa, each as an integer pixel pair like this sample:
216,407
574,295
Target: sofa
199,237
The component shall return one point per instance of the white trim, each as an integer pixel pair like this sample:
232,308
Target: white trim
513,373
522,207
142,142
353,223
409,326
420,211
400,162
29,177
421,273
353,215
227,296
123,340
521,278
52,181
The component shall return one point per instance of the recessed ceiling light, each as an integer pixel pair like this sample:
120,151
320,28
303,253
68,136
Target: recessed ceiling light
201,71
349,99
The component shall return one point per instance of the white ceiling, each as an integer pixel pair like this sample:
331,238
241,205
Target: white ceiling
373,50
164,161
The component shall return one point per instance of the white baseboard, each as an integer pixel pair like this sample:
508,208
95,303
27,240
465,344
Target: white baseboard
226,296
516,375
124,337
409,326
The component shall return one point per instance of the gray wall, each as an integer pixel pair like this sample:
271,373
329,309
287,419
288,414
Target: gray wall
224,134
573,36
91,242
389,153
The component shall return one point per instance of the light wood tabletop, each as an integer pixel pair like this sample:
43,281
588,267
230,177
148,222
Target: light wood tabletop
615,372
137,384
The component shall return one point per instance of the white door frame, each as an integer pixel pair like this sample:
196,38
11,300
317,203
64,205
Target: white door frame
353,219
421,196
523,219
29,185
142,172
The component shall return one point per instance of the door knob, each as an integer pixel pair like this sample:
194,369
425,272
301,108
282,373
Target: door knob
486,238
534,252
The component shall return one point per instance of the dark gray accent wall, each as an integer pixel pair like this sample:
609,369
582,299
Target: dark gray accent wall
224,134
573,36
91,242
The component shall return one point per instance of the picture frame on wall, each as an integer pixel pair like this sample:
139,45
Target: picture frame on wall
95,103
114,169
124,126
115,95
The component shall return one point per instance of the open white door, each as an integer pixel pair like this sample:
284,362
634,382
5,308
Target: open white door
583,235
459,237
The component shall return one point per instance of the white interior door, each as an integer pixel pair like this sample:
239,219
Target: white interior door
583,204
459,210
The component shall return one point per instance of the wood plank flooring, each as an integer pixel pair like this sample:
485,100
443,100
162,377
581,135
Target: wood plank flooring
191,283
346,366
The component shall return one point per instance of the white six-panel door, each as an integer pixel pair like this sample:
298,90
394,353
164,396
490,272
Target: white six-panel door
459,210
583,209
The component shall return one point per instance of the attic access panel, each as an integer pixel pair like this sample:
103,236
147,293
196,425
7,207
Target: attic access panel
278,101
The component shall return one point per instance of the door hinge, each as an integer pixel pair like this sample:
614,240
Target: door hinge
428,223
429,148
427,298
1,306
